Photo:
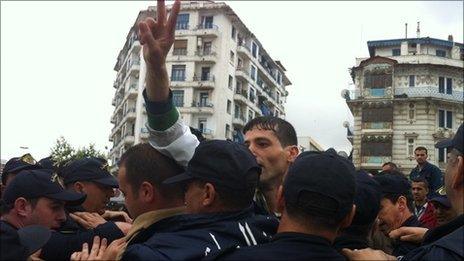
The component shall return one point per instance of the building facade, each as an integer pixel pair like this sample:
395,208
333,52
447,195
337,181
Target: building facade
408,93
221,77
307,143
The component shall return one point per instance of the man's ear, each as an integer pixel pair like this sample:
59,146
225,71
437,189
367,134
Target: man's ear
292,153
146,192
457,181
78,187
280,199
22,206
209,194
346,222
402,203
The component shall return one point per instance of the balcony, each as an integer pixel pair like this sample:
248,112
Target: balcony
204,82
241,96
240,72
239,120
376,125
179,52
429,92
203,107
132,91
207,29
130,113
129,138
369,93
244,50
205,56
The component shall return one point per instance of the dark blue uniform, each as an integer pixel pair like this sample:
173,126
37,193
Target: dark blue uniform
10,246
286,246
70,237
432,174
442,243
187,237
401,248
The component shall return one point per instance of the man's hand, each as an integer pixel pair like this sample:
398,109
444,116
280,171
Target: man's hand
96,253
157,38
35,256
117,214
88,220
124,227
412,234
366,254
113,249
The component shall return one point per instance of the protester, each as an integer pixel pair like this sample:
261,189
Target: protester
316,201
396,209
423,210
367,202
389,166
443,242
443,210
427,170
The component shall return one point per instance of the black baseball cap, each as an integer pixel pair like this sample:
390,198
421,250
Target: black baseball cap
16,164
457,142
367,199
442,200
34,237
326,177
39,183
88,169
223,163
393,184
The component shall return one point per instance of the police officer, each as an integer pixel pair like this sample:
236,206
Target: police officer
22,243
14,166
32,198
87,176
316,201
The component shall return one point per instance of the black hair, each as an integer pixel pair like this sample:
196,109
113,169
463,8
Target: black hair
144,163
393,197
421,179
391,164
421,148
284,131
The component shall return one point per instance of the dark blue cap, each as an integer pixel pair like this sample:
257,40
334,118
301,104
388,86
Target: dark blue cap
15,165
326,177
393,184
223,163
47,163
367,199
457,142
88,169
38,183
442,200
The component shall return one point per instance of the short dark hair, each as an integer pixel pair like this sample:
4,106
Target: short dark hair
306,216
284,131
421,179
421,148
144,163
233,199
394,198
391,164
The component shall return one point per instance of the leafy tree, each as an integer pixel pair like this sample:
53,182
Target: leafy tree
62,152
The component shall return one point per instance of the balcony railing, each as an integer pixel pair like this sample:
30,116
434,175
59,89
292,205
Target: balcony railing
130,110
178,78
206,131
377,160
244,93
182,26
204,78
202,104
376,125
207,26
179,51
205,52
430,91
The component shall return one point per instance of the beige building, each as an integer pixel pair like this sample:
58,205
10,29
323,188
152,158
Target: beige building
408,93
221,77
306,143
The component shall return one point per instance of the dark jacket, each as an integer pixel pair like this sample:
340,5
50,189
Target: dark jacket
10,246
286,246
442,243
401,248
187,237
432,174
70,237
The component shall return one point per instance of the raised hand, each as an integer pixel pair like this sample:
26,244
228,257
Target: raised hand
157,38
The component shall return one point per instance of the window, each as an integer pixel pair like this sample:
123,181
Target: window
449,86
180,47
278,97
182,21
445,119
279,78
231,84
232,57
252,95
178,73
229,106
204,99
411,147
377,80
207,48
202,124
236,111
396,52
205,73
254,49
239,63
441,84
206,22
442,153
253,72
178,98
234,33
441,53
227,131
412,80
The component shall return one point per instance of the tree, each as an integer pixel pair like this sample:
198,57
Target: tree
62,152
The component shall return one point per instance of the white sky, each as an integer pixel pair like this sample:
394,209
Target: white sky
57,61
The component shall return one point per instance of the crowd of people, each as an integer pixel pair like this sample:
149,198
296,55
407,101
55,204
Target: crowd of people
190,198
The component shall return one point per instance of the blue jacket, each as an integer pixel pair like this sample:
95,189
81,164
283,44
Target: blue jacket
432,174
442,243
187,237
70,237
10,245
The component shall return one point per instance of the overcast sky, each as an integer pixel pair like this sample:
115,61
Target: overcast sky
57,61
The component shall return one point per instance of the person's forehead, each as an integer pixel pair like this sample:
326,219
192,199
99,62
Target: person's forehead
257,133
417,184
420,152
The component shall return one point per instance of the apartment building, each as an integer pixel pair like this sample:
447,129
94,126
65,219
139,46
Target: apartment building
408,93
221,77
